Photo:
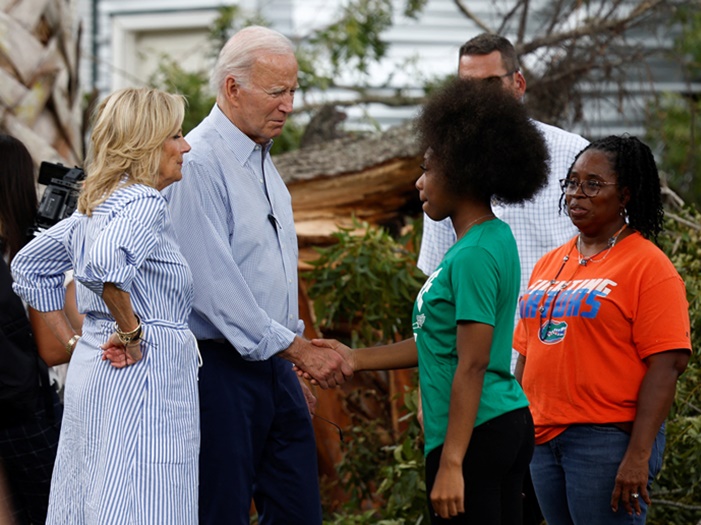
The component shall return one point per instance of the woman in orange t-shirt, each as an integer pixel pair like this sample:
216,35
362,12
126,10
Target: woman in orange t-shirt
603,337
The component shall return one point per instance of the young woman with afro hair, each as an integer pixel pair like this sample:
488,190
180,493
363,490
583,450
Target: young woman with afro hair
480,146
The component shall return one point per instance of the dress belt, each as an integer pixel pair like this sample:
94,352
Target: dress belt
626,426
220,340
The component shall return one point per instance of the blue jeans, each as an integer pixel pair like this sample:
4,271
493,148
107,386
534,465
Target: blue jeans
574,475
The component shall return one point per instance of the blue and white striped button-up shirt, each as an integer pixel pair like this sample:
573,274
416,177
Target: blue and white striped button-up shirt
127,241
233,216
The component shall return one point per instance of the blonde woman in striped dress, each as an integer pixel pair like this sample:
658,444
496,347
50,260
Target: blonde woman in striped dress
128,450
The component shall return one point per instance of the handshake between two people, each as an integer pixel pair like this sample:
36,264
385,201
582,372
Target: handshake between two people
324,362
329,363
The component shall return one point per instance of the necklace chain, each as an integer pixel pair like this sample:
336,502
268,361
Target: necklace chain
544,328
609,245
553,282
464,231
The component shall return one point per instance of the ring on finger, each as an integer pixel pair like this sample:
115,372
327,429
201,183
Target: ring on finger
634,495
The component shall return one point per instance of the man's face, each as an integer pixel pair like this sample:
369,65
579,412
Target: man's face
264,103
482,67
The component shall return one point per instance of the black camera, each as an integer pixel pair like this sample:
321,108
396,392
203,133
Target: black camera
60,198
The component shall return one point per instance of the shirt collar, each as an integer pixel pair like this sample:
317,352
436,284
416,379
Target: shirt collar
241,145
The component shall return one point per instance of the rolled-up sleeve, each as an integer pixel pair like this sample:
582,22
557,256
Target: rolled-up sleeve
224,305
38,269
124,244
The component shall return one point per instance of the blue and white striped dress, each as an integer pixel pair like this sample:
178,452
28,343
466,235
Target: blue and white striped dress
128,451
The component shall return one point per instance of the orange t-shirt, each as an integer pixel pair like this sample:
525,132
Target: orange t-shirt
605,319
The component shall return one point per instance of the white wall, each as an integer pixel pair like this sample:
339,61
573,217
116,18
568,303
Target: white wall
131,34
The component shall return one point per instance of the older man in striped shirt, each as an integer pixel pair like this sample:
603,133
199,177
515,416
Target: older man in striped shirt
233,217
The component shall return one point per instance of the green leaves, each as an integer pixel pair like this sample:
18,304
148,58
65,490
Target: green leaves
171,77
674,128
390,478
368,281
355,39
366,284
677,492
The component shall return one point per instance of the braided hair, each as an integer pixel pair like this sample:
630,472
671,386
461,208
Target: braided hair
635,168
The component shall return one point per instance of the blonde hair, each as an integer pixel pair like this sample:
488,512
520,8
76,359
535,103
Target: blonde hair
130,127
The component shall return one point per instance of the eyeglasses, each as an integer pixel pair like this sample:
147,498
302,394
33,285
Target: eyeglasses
590,187
505,75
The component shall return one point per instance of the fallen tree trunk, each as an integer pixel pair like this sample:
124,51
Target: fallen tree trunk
371,178
40,101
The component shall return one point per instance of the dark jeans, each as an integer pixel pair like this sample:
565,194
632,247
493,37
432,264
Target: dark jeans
257,442
27,455
493,469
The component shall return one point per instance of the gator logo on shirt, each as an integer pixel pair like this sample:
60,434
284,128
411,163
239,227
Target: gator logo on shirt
552,332
420,319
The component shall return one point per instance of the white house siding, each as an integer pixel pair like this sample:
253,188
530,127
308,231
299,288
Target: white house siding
131,34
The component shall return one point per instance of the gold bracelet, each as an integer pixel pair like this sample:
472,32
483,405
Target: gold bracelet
131,336
70,345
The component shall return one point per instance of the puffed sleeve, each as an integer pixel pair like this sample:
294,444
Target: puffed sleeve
124,243
38,269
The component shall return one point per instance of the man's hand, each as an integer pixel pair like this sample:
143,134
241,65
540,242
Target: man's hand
326,367
344,351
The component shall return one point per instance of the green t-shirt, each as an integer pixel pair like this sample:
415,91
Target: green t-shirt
477,280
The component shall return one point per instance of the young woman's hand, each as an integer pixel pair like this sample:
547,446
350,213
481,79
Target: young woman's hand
448,493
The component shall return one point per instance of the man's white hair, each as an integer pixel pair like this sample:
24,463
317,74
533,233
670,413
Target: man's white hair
242,50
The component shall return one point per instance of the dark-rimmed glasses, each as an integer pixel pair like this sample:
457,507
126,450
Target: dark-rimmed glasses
590,187
505,75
